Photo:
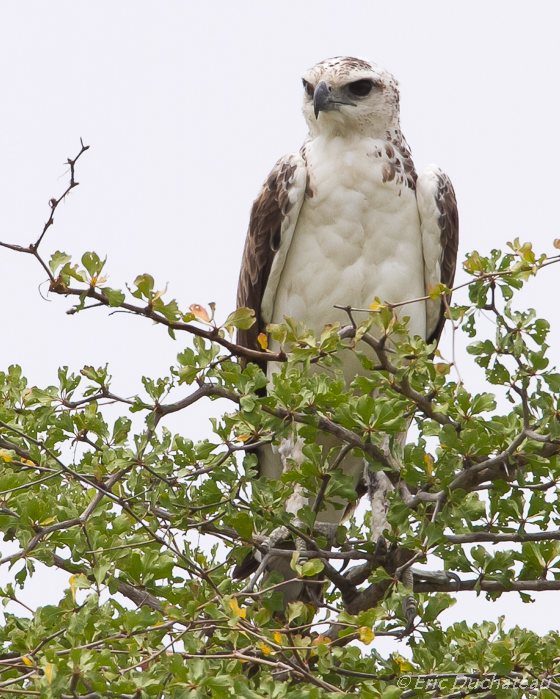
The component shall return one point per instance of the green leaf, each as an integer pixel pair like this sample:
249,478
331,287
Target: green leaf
115,296
57,260
92,263
312,567
244,524
307,516
295,610
553,381
144,286
242,319
392,692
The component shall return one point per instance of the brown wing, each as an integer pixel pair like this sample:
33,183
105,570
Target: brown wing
439,223
448,220
264,238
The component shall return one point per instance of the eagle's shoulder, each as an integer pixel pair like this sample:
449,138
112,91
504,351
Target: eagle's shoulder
407,173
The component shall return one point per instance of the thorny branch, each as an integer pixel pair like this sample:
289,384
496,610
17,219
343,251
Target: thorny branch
33,248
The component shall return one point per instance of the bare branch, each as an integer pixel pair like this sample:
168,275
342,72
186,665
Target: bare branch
55,202
488,586
480,537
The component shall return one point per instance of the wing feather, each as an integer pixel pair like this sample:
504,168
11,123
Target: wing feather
439,221
271,226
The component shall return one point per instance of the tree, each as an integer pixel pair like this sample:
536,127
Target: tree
149,524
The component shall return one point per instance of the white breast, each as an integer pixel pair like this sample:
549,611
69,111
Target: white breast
357,238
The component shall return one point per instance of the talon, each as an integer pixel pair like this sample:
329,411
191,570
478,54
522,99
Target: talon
455,577
408,603
380,548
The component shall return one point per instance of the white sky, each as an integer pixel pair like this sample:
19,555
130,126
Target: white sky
186,107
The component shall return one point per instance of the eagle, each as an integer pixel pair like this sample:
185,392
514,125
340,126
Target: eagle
341,222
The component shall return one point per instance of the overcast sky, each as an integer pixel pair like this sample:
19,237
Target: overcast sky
186,107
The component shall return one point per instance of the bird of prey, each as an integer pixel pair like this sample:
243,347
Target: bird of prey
342,221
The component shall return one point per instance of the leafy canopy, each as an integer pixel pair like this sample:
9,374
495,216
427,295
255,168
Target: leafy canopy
148,524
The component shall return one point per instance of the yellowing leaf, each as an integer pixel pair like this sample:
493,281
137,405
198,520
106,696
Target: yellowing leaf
366,634
78,581
48,672
4,454
236,609
199,312
265,649
73,587
244,437
263,341
435,292
26,661
26,461
375,306
320,639
404,665
429,461
45,522
278,637
442,368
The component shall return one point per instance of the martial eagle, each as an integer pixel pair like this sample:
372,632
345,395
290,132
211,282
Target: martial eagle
342,221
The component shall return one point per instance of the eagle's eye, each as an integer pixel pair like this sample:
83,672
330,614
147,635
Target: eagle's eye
360,88
308,88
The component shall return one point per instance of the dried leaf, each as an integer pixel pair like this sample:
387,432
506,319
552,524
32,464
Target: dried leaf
199,312
320,639
159,294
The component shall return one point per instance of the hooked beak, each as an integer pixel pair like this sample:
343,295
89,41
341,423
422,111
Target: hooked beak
325,101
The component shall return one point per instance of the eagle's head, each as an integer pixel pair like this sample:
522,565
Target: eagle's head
344,95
